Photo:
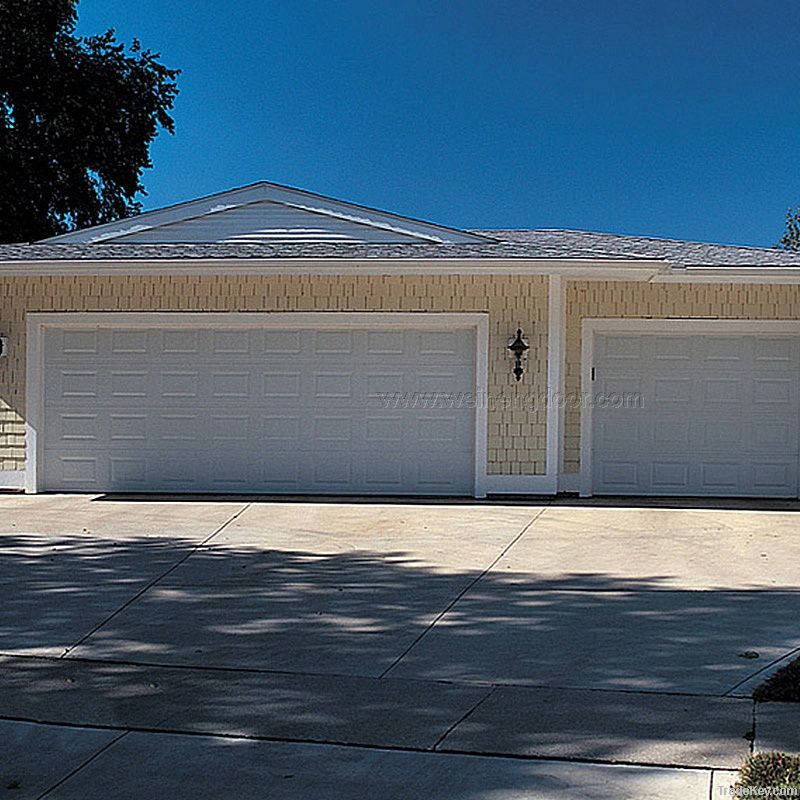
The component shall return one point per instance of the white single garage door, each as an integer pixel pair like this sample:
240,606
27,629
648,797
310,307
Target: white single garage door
718,414
258,410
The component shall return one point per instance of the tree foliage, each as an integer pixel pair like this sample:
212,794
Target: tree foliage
77,116
791,237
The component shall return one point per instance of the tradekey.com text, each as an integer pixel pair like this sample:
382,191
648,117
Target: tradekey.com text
509,402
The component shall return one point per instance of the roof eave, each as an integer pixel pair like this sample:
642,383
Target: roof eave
774,274
606,269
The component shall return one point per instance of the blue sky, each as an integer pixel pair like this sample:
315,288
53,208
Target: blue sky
677,119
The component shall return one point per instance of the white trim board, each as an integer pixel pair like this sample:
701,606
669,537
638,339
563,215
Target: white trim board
592,327
519,484
577,269
12,479
569,482
737,275
556,337
37,323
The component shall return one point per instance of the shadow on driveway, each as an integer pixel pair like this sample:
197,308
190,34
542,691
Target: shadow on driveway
370,614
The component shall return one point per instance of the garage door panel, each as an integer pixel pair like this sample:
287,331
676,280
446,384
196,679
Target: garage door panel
259,410
772,391
620,349
670,392
669,350
670,476
768,350
130,473
773,475
728,349
720,419
76,470
669,434
178,342
622,475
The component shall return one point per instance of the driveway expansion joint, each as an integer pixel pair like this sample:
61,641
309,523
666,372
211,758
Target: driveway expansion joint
156,580
465,590
84,764
124,731
464,717
494,684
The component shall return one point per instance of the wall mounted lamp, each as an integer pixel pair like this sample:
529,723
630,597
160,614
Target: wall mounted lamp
518,347
3,346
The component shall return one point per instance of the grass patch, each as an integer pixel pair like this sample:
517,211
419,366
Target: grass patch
783,685
770,771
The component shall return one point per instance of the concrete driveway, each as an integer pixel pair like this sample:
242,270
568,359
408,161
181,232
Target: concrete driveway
612,646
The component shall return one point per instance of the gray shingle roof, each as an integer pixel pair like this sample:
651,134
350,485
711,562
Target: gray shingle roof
689,254
507,244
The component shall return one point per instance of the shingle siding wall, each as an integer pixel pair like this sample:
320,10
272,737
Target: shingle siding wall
586,299
516,429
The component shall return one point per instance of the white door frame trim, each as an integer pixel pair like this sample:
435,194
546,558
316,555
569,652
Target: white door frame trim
37,323
592,327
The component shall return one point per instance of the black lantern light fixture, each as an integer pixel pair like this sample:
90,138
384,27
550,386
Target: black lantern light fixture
518,347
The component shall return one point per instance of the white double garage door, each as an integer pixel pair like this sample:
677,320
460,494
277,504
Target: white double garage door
340,407
691,408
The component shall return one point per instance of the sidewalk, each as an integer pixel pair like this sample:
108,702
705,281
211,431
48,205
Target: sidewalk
63,763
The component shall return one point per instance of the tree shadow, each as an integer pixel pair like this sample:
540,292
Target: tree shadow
253,640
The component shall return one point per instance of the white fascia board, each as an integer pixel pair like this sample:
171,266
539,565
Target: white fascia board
573,268
768,275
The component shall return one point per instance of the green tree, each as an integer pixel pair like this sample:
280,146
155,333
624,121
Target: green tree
791,237
77,116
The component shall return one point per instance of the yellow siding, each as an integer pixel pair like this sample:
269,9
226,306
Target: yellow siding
516,422
587,299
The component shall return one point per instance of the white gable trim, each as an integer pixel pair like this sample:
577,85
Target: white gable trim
274,193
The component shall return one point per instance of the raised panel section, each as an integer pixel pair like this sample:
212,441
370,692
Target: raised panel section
78,383
332,385
129,385
282,342
79,427
282,384
621,347
180,342
672,390
180,384
673,476
230,385
385,343
123,342
79,342
723,348
128,427
229,342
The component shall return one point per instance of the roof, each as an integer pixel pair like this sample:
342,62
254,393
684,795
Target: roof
499,244
674,251
268,222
